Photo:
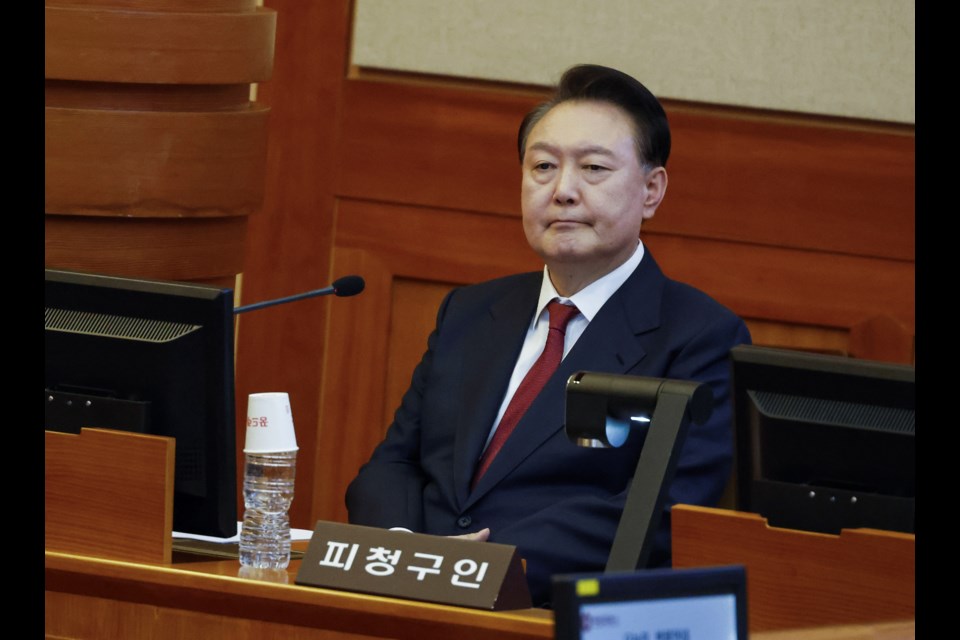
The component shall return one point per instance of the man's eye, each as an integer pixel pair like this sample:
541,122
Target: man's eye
594,167
543,166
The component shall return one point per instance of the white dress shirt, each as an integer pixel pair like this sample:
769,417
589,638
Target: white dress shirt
588,300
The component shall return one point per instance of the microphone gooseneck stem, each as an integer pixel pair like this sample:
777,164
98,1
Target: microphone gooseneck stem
270,303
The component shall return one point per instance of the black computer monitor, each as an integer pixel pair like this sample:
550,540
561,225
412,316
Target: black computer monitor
824,442
151,357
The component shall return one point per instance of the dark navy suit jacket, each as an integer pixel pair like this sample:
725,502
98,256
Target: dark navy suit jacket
558,503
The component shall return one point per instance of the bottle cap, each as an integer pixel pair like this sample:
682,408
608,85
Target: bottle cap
269,424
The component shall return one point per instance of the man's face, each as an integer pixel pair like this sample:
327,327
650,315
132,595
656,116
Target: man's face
584,193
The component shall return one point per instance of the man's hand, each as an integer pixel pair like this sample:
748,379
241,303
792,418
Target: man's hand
476,536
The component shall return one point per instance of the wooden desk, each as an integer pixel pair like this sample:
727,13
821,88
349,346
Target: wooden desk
98,599
147,592
798,578
90,597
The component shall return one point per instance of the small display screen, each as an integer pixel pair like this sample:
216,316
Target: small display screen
691,618
697,603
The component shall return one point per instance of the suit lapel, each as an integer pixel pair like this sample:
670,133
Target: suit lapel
487,365
609,344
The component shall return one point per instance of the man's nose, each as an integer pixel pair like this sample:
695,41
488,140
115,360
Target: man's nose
567,188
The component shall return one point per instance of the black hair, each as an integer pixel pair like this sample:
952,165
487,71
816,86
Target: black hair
603,84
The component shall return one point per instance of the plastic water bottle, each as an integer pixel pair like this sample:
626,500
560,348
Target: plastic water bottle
267,494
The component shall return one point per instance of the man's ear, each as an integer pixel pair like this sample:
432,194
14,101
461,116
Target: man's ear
656,188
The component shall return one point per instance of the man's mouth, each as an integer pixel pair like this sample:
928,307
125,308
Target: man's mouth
566,224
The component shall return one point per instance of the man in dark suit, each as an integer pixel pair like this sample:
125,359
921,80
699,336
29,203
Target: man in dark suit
594,167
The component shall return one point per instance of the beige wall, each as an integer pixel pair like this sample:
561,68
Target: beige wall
850,58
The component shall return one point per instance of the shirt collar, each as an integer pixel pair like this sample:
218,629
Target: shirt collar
589,299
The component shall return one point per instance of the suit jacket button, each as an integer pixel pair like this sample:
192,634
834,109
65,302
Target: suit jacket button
464,522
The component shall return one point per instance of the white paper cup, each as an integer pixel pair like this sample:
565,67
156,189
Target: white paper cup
269,424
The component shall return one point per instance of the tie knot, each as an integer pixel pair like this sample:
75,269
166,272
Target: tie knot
560,314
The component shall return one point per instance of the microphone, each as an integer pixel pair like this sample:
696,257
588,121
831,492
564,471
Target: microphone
341,287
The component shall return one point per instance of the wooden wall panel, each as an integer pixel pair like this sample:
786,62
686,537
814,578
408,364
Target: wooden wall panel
451,246
788,285
753,178
432,145
199,249
771,333
352,400
412,316
289,242
148,117
162,44
790,182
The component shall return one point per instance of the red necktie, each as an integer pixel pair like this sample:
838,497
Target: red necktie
543,368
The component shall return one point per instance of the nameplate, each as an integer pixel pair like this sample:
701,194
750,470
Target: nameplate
414,566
